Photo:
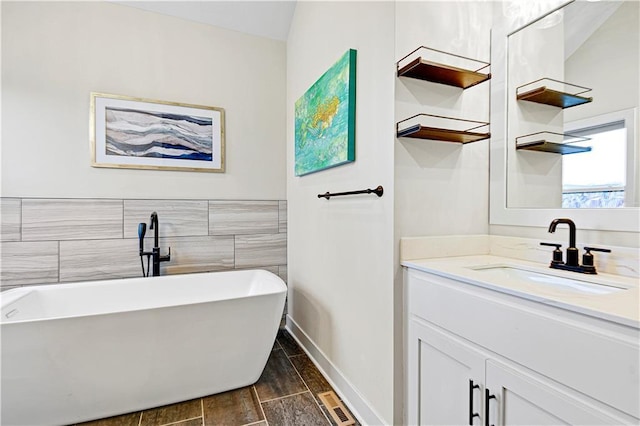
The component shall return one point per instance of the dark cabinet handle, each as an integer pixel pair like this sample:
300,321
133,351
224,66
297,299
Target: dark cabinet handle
471,413
487,398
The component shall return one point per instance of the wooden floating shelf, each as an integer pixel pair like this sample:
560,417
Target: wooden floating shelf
419,131
443,74
557,98
436,72
556,148
544,95
540,143
439,133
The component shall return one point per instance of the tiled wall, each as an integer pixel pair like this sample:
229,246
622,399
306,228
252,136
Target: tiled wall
47,241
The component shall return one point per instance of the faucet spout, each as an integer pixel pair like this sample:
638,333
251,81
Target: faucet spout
572,251
572,229
154,226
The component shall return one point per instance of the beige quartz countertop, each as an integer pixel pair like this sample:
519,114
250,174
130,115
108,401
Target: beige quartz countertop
620,306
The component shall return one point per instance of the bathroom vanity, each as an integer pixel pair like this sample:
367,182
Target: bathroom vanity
497,341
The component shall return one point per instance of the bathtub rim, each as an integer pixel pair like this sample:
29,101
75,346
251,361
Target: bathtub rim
27,290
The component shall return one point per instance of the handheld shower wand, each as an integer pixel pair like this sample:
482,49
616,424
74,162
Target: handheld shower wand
142,230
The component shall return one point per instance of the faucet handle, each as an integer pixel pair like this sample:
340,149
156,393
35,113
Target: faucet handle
588,249
167,257
587,259
551,245
557,253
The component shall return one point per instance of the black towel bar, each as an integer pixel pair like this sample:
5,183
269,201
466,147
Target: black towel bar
378,191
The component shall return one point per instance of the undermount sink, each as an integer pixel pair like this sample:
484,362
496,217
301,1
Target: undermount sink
522,275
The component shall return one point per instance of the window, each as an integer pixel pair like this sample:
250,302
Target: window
602,177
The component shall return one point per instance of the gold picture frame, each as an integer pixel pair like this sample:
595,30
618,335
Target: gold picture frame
139,133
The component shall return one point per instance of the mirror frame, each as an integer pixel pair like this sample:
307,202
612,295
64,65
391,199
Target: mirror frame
622,219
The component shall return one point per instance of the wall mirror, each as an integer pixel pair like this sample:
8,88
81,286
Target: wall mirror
565,101
573,84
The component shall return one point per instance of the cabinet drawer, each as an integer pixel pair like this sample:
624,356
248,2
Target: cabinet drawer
578,354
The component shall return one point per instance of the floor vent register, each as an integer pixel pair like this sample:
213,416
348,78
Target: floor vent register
338,411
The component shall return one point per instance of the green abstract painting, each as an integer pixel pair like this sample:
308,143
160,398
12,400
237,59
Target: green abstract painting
325,119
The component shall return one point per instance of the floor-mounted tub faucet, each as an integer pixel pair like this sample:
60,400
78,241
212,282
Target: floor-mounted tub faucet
154,254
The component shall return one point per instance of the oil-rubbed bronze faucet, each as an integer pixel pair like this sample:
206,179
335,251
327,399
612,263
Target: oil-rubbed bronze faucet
572,263
155,251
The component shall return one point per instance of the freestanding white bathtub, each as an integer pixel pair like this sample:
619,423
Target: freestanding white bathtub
82,351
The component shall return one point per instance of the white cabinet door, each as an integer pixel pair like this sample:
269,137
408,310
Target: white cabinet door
521,399
442,373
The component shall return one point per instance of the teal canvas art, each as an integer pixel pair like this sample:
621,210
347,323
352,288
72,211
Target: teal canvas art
325,119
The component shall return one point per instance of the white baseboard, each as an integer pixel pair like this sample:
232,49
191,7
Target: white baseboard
349,395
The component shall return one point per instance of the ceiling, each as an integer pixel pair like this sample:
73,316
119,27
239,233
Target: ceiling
265,18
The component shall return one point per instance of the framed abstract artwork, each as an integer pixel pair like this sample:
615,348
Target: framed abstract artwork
148,134
325,118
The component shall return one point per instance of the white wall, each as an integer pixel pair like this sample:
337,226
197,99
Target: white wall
440,187
55,53
340,252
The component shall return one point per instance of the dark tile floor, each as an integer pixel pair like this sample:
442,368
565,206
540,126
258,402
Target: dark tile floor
285,395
